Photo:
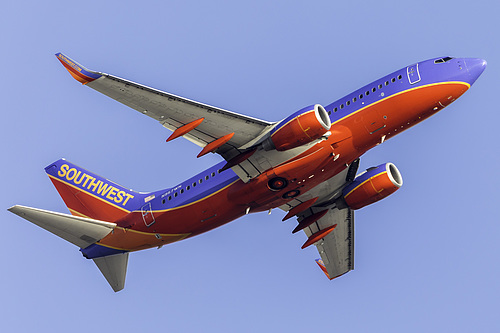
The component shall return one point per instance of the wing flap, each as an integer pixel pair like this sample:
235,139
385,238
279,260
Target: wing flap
79,231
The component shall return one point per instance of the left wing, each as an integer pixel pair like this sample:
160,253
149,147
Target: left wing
215,129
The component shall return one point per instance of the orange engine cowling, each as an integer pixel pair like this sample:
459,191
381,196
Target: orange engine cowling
372,185
302,127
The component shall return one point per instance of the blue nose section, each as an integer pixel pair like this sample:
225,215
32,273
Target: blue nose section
475,67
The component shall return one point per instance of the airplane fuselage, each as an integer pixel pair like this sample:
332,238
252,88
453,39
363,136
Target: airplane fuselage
305,164
360,121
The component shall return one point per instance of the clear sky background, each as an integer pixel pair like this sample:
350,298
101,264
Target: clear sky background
426,257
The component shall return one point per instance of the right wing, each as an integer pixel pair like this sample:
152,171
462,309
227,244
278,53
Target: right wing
174,112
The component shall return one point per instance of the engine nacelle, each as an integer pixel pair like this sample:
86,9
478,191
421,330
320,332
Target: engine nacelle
302,127
372,185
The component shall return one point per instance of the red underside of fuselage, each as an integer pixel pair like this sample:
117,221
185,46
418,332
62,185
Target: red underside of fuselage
351,137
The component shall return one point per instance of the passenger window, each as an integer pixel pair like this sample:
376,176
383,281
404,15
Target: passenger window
188,187
163,201
175,194
213,174
393,80
206,177
400,77
380,86
335,110
169,197
200,181
182,190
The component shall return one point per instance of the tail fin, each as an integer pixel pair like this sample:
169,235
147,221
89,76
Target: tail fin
89,195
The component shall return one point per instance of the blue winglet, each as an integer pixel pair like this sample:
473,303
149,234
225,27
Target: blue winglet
79,73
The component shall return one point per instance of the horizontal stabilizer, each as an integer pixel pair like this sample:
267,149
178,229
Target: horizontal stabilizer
114,269
77,230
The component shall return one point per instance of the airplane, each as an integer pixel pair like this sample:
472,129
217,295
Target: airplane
305,164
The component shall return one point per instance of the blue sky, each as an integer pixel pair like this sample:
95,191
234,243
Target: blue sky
426,257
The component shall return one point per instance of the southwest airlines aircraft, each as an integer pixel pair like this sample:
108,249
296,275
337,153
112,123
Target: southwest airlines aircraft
305,164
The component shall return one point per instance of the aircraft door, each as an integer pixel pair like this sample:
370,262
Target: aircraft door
413,74
147,214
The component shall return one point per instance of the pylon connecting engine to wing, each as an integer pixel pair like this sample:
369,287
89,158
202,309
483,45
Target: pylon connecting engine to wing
304,126
372,185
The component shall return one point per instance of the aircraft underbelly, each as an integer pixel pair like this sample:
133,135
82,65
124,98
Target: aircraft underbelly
315,170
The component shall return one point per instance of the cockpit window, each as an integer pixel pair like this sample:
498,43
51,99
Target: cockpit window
442,60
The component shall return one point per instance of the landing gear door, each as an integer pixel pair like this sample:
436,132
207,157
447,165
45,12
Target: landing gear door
413,74
147,214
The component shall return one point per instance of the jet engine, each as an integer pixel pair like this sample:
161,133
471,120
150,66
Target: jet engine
304,126
372,185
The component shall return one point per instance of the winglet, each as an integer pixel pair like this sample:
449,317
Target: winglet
77,71
323,268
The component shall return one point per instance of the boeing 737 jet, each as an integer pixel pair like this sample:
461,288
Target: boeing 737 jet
305,164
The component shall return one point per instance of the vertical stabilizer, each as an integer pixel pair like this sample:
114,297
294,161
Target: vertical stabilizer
114,269
89,195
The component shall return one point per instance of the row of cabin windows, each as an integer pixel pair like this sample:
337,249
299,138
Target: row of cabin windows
176,194
374,89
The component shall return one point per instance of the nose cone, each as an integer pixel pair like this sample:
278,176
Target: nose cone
475,67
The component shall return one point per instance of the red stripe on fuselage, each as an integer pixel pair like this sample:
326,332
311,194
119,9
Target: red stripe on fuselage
396,113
